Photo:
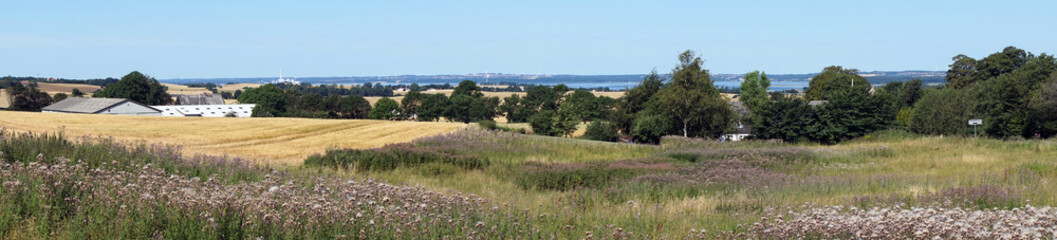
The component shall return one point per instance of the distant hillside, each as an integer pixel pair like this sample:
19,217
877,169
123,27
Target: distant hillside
876,77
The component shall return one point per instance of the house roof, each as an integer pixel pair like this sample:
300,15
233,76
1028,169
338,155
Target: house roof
88,105
203,99
815,103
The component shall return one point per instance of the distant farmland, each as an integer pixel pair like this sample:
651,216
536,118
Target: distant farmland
284,141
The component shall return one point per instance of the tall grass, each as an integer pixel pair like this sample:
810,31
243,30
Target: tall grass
95,188
723,187
392,156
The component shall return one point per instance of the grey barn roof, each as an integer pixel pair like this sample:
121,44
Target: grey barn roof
87,105
203,99
816,103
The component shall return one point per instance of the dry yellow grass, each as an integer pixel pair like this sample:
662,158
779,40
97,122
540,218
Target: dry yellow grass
5,100
239,86
184,89
284,141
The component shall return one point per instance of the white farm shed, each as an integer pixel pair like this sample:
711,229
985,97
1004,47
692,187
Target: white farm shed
219,110
115,106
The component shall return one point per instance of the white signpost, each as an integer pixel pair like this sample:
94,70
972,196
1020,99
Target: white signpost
974,123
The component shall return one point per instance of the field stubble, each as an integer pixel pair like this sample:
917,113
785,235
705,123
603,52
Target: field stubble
283,141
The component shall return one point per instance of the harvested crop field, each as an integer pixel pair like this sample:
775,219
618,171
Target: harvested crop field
285,141
238,86
184,89
53,88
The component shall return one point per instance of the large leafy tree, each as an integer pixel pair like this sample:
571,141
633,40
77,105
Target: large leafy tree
468,88
940,111
312,102
1005,89
269,99
1044,108
542,123
138,87
692,101
459,110
582,104
540,98
385,109
434,106
834,80
851,114
1004,101
354,106
786,118
554,123
635,101
468,109
754,89
411,103
961,71
513,109
28,98
911,92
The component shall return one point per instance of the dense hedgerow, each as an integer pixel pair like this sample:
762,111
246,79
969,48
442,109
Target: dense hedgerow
392,156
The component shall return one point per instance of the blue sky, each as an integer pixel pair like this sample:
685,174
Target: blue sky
204,39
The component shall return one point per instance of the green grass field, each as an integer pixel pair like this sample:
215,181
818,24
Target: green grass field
686,184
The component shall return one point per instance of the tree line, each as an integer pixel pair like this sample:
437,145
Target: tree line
1013,91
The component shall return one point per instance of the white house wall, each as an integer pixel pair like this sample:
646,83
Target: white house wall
240,110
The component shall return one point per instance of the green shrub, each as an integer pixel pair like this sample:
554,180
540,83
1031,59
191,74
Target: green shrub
650,128
488,124
602,131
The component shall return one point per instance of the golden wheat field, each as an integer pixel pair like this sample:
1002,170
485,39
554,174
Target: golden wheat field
237,86
283,141
53,88
184,89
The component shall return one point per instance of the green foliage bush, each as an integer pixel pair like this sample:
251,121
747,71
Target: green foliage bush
602,131
650,128
488,124
940,111
385,109
903,117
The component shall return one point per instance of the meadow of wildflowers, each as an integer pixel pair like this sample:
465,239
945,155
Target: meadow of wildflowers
477,184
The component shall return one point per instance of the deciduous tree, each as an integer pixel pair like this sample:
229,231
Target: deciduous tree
138,87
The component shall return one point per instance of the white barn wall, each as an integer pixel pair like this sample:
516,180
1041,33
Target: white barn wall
240,110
